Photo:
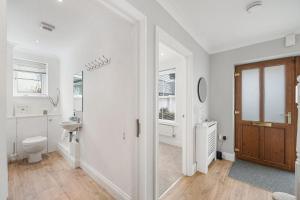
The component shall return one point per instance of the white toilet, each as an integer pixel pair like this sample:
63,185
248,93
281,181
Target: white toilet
34,147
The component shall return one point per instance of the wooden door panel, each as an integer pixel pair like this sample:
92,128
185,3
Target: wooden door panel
274,145
250,141
268,139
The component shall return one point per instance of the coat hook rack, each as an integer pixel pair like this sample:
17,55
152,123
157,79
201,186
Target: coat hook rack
97,63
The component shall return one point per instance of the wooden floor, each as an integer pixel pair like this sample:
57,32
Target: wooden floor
52,179
216,185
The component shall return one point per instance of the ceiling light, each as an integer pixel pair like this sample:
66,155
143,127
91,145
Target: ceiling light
162,54
251,7
60,1
37,41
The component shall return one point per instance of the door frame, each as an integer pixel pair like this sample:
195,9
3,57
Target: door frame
188,167
294,106
3,88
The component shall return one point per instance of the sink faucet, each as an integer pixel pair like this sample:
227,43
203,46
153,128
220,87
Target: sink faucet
75,118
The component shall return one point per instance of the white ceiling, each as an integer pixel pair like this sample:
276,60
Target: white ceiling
219,25
73,20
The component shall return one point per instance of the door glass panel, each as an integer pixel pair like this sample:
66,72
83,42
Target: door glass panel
274,90
250,95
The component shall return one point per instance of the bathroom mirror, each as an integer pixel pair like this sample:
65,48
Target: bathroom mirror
78,92
202,89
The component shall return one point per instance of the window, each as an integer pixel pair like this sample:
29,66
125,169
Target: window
167,103
29,78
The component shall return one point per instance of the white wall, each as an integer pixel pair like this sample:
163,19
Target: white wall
222,80
3,156
179,63
36,105
107,139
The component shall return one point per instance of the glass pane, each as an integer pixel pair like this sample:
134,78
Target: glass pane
166,84
167,108
29,86
250,95
167,100
274,103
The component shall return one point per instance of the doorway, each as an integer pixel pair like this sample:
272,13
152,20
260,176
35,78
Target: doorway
265,112
188,165
125,138
171,122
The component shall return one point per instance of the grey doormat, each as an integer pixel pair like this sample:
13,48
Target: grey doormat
272,179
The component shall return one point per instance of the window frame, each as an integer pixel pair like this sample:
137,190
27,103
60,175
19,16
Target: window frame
169,97
44,81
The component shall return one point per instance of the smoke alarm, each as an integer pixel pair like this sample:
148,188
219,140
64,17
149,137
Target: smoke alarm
251,7
46,26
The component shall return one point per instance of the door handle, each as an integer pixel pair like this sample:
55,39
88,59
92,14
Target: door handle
267,124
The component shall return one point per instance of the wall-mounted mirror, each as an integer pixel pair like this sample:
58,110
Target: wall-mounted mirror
78,92
202,90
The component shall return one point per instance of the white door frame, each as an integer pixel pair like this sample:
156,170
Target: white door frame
3,149
187,137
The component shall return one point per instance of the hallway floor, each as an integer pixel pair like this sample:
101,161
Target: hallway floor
169,166
215,185
52,179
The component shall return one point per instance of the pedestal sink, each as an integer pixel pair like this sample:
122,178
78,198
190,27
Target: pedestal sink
74,152
71,126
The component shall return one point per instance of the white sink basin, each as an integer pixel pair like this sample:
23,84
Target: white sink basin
71,126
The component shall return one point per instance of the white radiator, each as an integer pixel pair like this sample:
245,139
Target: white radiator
206,145
166,130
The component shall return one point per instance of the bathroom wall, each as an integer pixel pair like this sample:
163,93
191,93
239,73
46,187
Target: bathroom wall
20,128
35,124
178,62
3,155
35,105
107,138
222,80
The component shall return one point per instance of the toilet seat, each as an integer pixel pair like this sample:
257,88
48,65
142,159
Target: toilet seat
33,140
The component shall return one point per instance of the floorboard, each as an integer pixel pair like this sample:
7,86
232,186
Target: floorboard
52,179
215,185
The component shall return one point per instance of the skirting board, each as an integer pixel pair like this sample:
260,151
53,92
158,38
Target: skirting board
228,156
65,153
113,189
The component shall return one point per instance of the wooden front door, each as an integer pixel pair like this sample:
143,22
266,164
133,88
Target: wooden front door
265,112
